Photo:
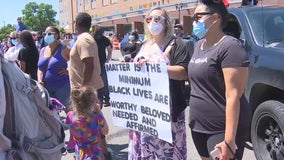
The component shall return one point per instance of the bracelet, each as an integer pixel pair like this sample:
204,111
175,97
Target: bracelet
229,147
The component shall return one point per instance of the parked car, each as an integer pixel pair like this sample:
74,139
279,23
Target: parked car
261,30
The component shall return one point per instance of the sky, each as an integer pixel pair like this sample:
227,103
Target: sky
10,10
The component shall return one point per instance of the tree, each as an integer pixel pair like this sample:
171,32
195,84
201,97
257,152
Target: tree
38,17
5,31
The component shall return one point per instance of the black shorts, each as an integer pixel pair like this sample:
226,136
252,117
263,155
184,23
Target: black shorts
205,143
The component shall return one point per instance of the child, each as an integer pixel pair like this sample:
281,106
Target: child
87,123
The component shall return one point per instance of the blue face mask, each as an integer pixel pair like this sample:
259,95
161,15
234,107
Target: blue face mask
14,42
131,37
74,36
49,38
199,29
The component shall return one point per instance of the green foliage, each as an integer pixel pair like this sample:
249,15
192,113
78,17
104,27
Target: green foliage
62,30
5,31
38,17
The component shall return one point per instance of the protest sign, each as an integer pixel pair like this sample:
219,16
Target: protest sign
140,98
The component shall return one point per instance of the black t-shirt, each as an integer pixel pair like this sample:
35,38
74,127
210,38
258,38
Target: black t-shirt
30,56
102,43
179,55
131,49
207,100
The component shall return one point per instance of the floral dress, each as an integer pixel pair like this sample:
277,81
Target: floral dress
86,132
146,147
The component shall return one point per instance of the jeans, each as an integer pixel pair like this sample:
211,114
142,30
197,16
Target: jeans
103,93
62,93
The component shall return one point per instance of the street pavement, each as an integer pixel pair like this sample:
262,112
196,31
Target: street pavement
117,139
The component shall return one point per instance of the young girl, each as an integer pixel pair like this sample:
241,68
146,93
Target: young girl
87,123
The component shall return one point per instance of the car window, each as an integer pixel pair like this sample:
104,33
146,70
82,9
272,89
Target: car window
267,25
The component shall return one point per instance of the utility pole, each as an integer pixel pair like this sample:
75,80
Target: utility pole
179,8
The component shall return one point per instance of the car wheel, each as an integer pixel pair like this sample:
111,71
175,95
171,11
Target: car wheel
267,131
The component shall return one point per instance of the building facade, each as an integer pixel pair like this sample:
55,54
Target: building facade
122,16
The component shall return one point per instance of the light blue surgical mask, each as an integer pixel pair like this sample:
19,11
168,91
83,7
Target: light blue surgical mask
131,37
14,42
49,38
199,29
74,36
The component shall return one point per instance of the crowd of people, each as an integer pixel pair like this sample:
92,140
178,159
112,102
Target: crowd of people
216,67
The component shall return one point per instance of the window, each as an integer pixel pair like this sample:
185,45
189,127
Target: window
86,6
105,2
93,4
114,1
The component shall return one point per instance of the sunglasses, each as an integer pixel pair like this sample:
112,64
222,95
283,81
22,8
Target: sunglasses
48,33
156,18
197,16
13,38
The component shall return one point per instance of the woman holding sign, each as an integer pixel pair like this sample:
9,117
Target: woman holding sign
162,47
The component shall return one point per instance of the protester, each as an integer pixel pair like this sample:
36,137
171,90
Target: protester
162,47
4,45
72,42
52,66
103,45
124,40
12,53
110,37
218,71
39,41
178,31
87,123
21,26
131,48
84,64
28,55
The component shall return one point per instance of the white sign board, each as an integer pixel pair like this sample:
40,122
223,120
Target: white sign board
139,97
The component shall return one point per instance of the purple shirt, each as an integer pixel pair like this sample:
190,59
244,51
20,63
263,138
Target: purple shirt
52,77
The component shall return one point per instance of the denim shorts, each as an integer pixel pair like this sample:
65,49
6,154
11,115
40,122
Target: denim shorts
62,93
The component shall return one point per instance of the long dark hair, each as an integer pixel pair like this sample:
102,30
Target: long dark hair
217,6
27,40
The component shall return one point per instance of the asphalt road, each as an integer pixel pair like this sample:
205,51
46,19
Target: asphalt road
117,139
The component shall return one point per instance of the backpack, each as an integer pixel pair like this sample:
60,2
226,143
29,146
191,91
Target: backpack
32,131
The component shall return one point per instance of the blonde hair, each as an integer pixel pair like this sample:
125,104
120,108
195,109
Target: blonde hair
168,23
14,34
83,99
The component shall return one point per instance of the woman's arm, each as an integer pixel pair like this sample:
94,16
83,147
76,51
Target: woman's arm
177,72
235,81
40,76
22,65
66,52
